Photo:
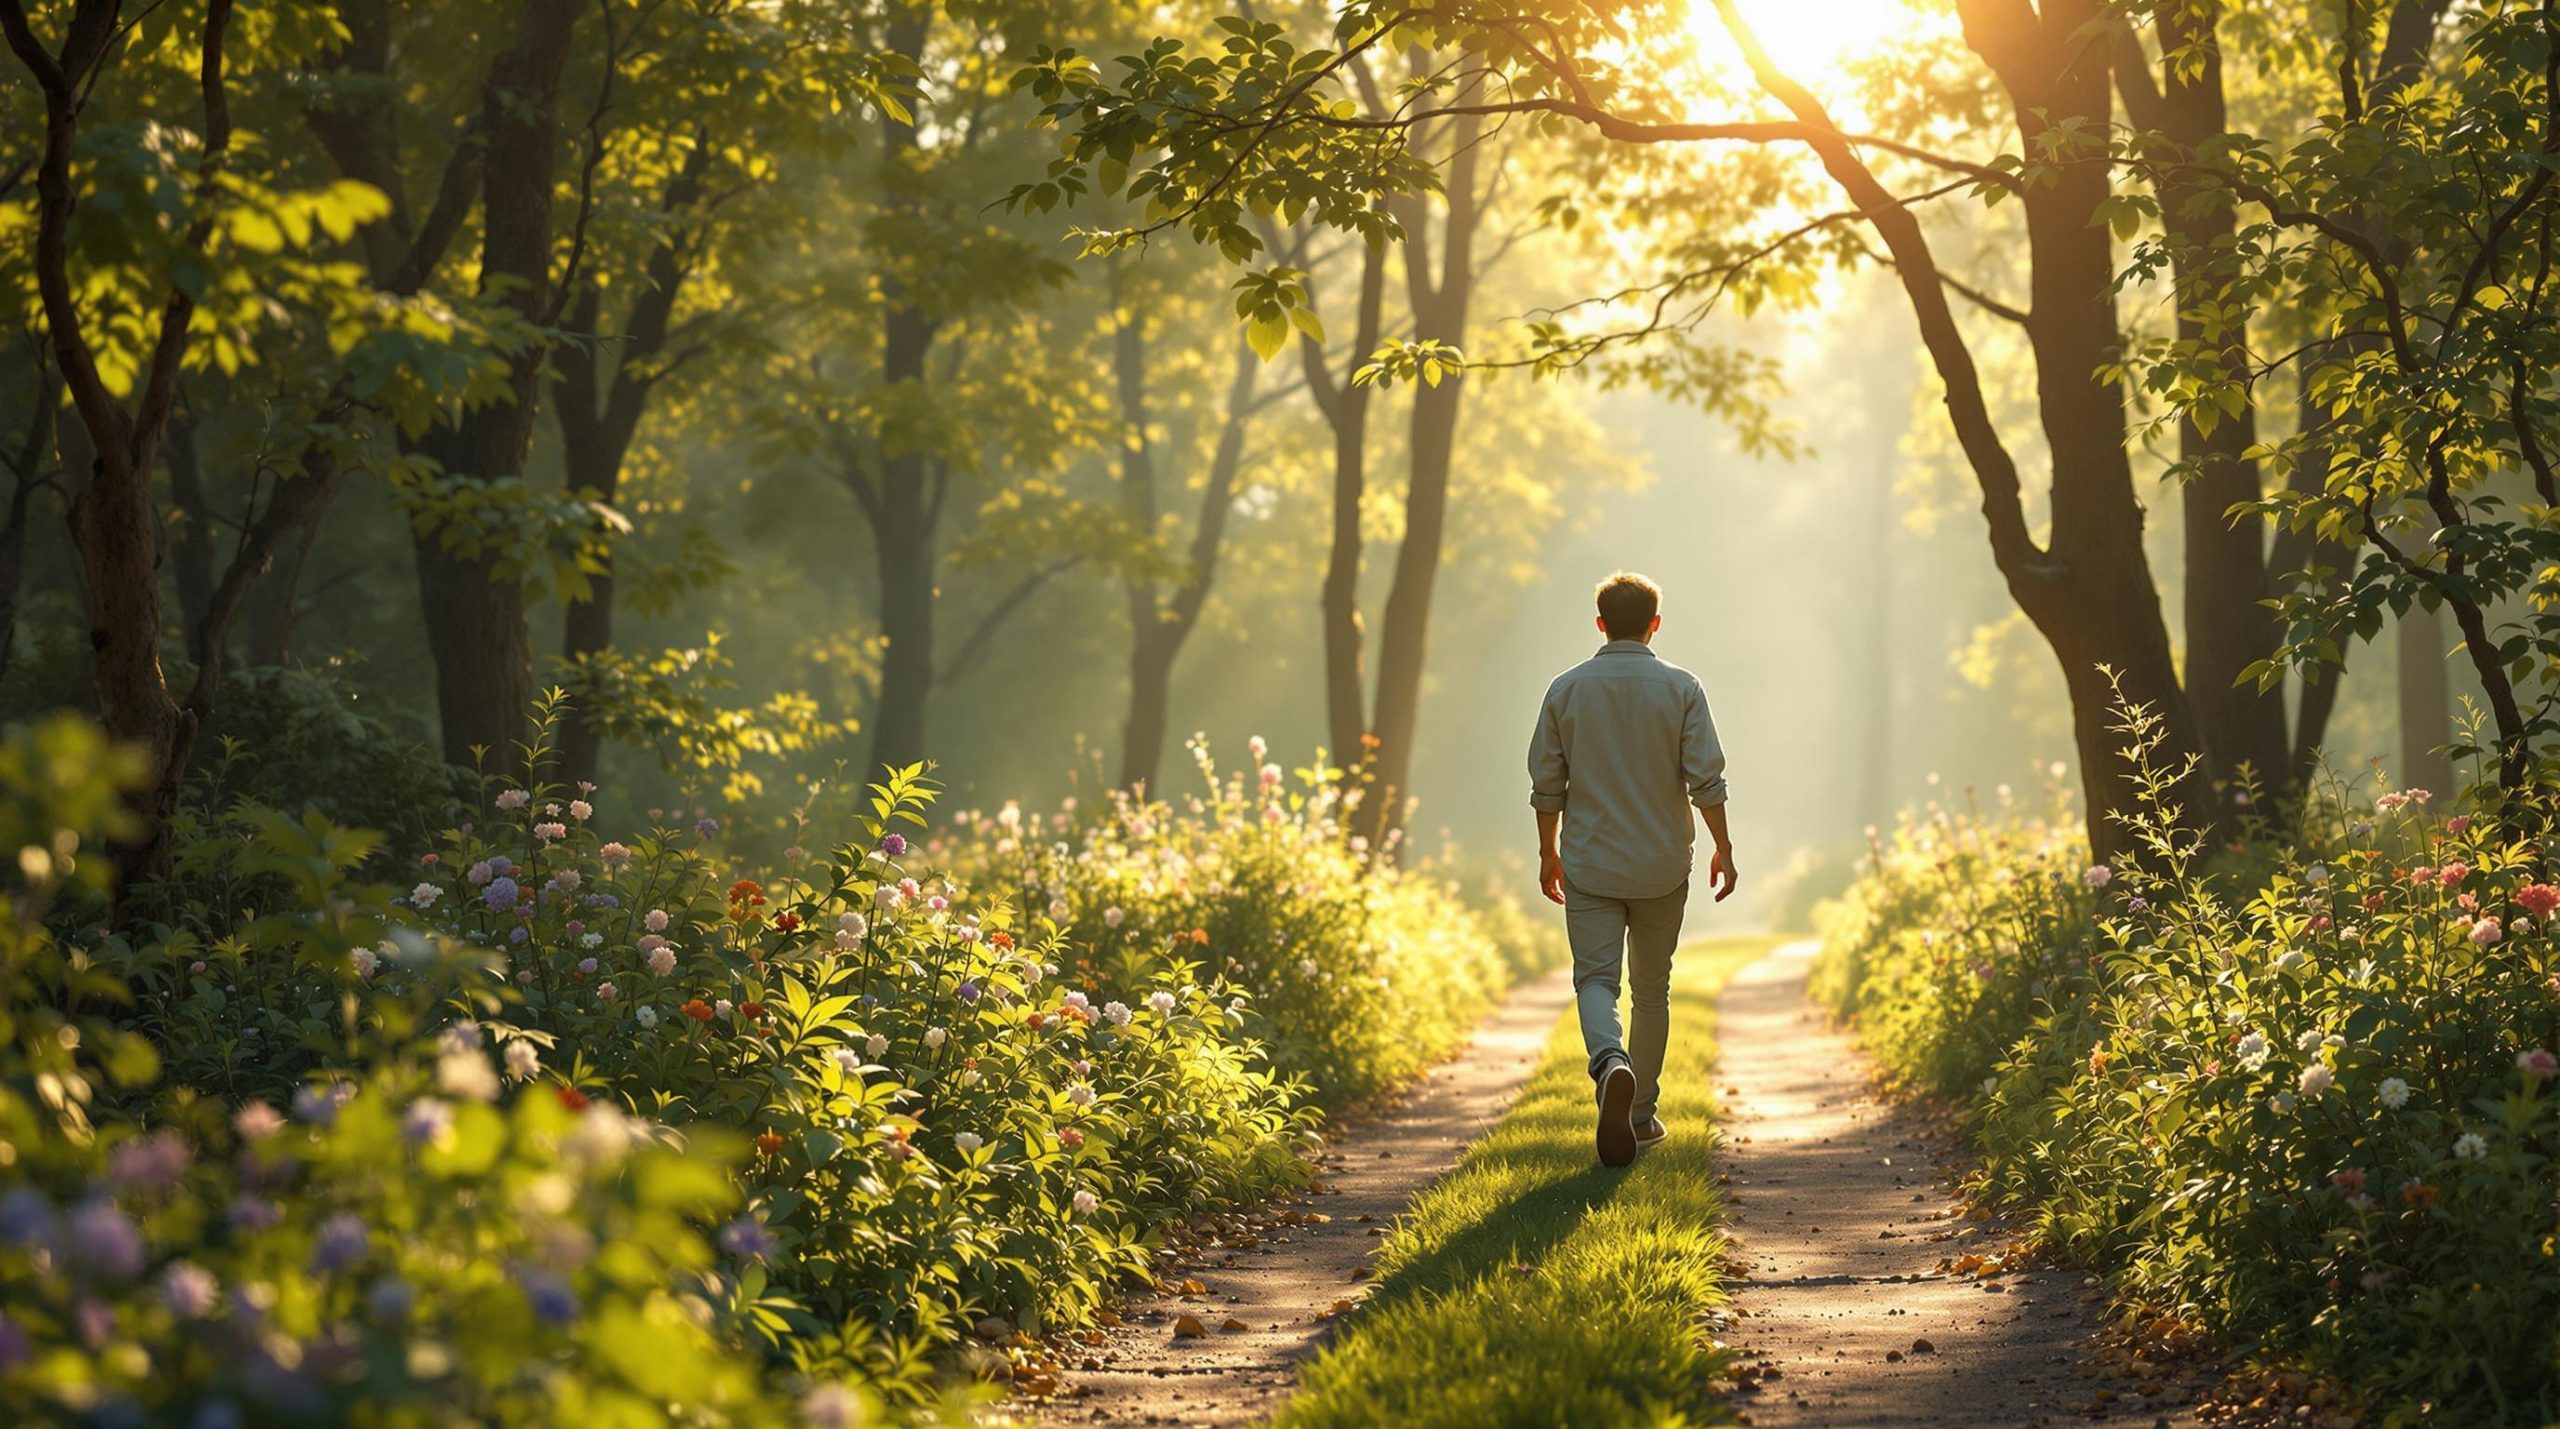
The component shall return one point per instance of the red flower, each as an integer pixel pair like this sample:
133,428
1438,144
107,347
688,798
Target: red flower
2539,899
571,1097
769,1142
698,1010
786,921
1036,1021
1070,1138
751,1009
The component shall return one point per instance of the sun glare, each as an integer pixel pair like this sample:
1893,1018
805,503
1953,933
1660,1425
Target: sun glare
1816,41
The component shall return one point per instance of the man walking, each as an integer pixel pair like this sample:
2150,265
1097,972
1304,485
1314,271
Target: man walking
1624,749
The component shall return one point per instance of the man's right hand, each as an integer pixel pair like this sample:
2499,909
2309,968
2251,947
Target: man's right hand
1720,871
1551,875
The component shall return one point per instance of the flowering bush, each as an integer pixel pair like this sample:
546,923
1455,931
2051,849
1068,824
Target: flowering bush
386,1242
2304,1091
1360,974
915,1122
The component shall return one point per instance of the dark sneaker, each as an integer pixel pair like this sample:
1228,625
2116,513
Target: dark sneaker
1650,1132
1617,1099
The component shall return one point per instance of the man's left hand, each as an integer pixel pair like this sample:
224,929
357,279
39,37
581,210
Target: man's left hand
1551,875
1721,872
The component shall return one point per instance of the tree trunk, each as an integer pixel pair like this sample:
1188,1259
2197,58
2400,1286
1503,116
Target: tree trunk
2426,703
903,535
29,471
1158,626
1440,314
475,614
1346,411
2228,623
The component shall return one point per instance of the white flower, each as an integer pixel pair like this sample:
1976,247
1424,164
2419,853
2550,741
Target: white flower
2309,1039
466,1074
2471,1146
1058,910
877,1046
2252,1051
968,1142
581,810
1258,745
2098,875
425,895
591,940
645,1015
513,798
662,959
1111,917
1162,1002
2393,1094
722,1008
2317,1078
1087,1203
1080,1094
934,1037
1306,967
2316,874
523,1062
364,960
1117,1013
2286,962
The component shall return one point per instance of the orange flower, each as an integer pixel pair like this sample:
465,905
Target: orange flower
769,1142
571,1097
751,1009
786,922
2417,1195
1200,935
1000,941
698,1010
1036,1021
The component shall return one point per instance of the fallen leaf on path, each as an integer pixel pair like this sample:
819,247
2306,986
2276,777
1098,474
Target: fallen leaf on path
1188,1327
1234,1325
1923,1347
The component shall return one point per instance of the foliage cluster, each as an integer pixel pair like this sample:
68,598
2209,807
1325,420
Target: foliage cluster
1363,972
2303,1092
559,1119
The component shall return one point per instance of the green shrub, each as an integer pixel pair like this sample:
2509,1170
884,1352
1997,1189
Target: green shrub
1361,974
2303,1093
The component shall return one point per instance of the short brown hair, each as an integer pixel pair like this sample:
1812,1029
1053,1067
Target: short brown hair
1628,603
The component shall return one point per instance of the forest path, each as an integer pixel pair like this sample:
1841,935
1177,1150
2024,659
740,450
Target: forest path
1281,1277
1842,1215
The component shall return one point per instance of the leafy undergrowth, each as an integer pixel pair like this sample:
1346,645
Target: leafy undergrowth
1534,1286
2303,1095
583,1117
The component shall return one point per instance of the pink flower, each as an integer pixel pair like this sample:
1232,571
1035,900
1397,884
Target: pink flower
2453,873
549,832
607,991
2457,824
614,855
581,810
656,922
2349,1180
513,798
2486,932
2539,899
2537,1065
662,960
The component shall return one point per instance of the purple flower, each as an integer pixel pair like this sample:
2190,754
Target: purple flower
501,894
587,966
255,1213
548,1294
189,1290
970,992
318,1102
894,845
342,1242
747,1239
106,1240
427,1122
519,935
26,1217
500,863
389,1299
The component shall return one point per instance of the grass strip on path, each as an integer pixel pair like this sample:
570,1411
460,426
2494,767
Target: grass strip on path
1532,1286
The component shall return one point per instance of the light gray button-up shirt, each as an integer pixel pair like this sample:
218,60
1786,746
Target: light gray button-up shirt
1624,748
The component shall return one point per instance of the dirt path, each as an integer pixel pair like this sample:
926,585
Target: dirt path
1279,1279
1843,1216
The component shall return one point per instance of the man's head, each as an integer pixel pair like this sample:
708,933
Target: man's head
1630,607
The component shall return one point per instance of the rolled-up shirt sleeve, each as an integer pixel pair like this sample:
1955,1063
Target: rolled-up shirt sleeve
1549,777
1701,755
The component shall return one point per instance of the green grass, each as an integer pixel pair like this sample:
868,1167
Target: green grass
1535,1287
